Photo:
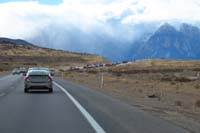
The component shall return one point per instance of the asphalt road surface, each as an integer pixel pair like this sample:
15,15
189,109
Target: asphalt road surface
71,108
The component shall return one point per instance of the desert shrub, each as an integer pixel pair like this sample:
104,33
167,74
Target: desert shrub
136,82
178,103
118,74
172,82
155,95
140,91
152,96
197,103
61,70
10,59
197,86
182,79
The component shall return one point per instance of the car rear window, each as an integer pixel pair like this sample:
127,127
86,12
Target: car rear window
38,72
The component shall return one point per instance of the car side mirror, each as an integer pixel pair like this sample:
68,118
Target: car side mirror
24,74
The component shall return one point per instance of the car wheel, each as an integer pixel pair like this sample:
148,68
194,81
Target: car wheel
50,90
25,90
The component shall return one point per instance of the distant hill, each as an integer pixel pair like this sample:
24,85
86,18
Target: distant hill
19,53
170,43
14,41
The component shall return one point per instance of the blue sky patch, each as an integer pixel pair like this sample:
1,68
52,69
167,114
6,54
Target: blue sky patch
48,2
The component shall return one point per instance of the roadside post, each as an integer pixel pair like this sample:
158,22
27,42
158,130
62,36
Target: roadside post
62,75
102,80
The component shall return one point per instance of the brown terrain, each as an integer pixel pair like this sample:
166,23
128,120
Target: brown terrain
169,89
15,55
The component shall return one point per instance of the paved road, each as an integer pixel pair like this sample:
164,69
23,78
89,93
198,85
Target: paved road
71,109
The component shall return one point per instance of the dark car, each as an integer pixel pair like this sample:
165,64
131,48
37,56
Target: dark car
22,71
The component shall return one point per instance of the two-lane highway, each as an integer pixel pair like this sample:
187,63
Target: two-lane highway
71,109
39,112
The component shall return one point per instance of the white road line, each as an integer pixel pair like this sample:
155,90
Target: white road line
90,119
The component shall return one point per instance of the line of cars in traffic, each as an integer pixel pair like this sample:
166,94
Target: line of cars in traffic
88,66
36,78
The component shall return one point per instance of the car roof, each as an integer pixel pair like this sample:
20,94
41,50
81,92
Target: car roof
38,68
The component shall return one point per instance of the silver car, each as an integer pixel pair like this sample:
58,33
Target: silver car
38,79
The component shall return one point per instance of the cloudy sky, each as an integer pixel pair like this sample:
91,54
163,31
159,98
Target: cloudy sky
19,17
58,23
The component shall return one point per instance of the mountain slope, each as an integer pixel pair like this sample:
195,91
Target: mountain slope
19,55
167,42
14,41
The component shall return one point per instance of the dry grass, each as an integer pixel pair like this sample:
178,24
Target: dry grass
12,56
157,91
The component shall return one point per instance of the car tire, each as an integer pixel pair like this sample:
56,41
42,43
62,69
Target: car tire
50,90
25,90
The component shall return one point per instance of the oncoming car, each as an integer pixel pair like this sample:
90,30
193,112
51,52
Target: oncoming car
38,79
15,71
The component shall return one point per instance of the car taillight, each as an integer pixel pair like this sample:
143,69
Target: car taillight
27,78
49,78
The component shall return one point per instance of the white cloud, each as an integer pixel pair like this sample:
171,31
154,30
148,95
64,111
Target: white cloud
156,10
26,19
